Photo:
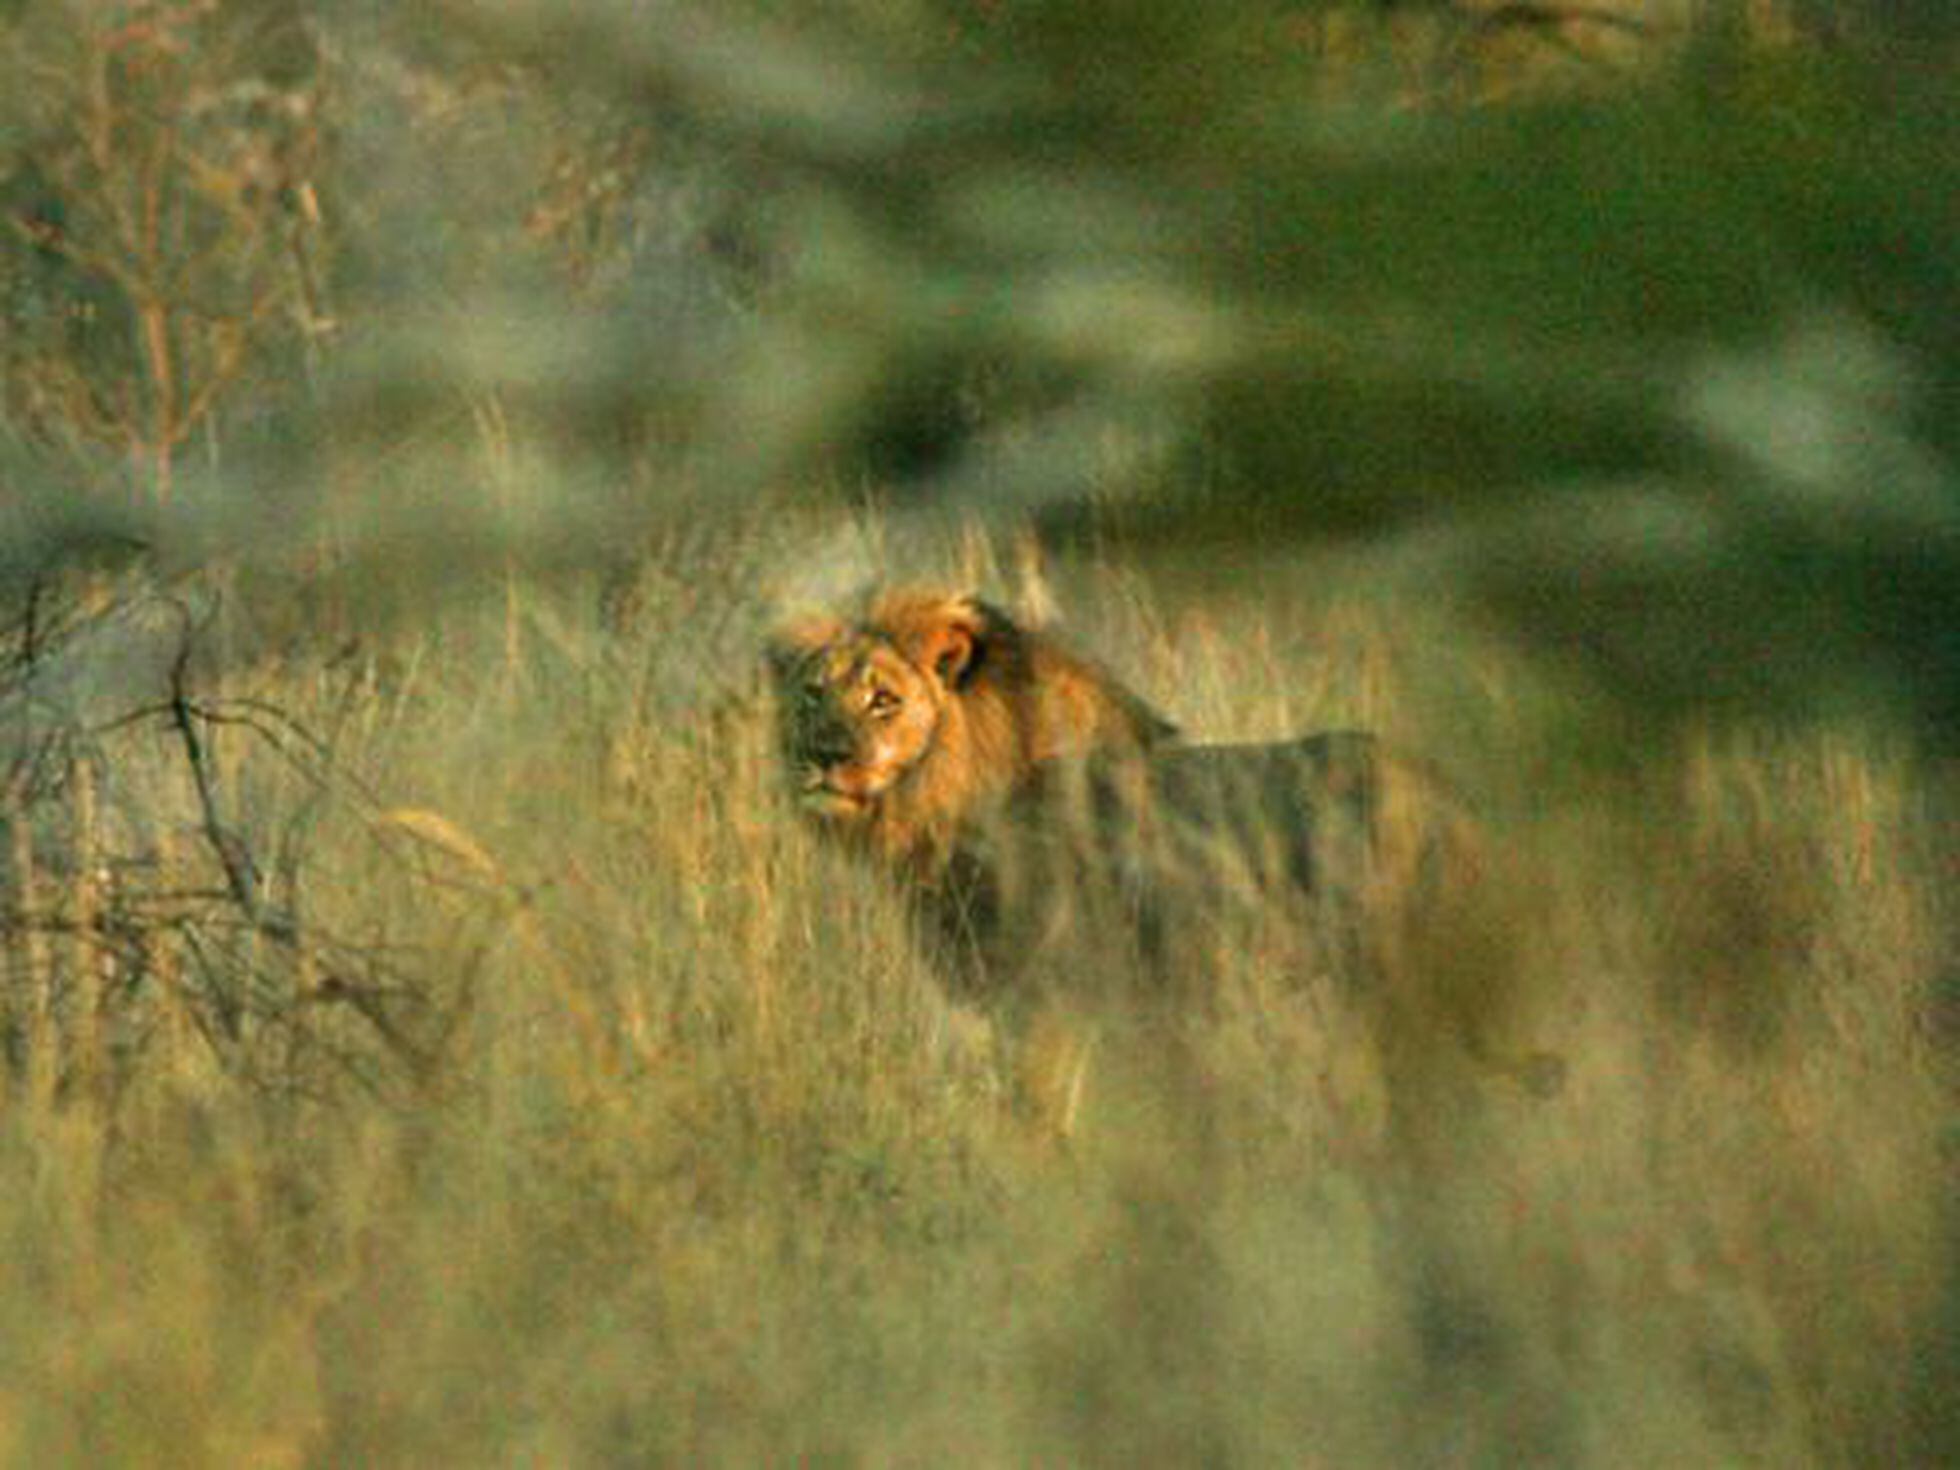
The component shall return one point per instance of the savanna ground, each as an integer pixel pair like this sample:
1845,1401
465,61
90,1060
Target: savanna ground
428,1037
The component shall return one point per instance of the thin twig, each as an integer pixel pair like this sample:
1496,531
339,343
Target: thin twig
232,857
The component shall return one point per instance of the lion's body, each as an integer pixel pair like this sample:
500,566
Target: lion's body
1116,868
1057,842
1043,821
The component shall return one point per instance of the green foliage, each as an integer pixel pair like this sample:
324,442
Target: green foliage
1235,274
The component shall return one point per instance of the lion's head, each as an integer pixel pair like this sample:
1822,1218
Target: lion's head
862,703
898,723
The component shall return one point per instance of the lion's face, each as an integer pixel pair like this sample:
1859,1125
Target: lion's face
860,707
857,717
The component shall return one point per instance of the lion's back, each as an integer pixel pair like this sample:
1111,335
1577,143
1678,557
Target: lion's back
1153,858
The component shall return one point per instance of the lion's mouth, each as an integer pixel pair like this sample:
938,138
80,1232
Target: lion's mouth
824,795
825,802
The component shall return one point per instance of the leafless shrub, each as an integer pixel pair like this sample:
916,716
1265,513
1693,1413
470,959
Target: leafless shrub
163,845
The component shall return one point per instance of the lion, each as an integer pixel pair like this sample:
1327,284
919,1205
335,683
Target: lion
1048,828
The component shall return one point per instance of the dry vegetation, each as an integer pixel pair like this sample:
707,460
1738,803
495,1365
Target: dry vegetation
694,1165
426,1035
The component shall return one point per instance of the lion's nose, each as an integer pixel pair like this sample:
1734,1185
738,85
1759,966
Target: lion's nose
832,747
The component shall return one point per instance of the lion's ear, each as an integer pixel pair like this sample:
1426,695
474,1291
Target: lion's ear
953,642
943,637
950,638
952,653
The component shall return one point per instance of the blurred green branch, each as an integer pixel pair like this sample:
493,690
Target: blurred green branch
1229,276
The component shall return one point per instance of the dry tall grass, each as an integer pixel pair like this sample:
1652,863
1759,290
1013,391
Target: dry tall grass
697,1168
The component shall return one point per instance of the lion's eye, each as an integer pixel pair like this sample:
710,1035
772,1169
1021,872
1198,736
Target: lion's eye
883,702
